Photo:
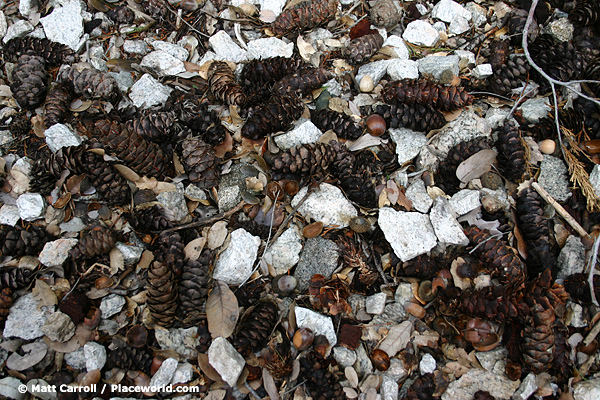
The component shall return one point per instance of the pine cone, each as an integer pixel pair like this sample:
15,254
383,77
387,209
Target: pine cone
53,53
562,365
168,250
305,160
204,336
344,126
158,127
144,157
385,14
200,162
259,75
500,257
162,297
354,178
586,13
499,52
151,217
302,82
5,304
159,10
15,278
561,61
223,85
255,328
500,303
130,359
320,382
94,241
18,241
535,229
516,23
483,395
510,75
207,125
249,225
276,115
57,104
362,48
304,16
426,92
121,14
278,359
579,289
20,124
29,81
415,117
422,388
511,152
446,177
422,267
193,287
90,83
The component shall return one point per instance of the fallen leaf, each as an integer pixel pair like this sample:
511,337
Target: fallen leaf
267,16
365,141
221,310
208,369
224,147
145,259
127,172
305,49
476,165
33,354
193,249
62,201
191,67
397,338
117,261
217,235
270,386
38,126
43,294
521,246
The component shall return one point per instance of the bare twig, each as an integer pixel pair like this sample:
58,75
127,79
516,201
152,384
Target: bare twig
522,95
560,209
208,220
593,333
592,269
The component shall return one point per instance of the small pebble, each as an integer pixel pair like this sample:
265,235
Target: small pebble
366,84
547,146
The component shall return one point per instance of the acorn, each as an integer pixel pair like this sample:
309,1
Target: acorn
380,360
303,338
360,224
137,336
376,125
284,285
291,187
547,146
313,230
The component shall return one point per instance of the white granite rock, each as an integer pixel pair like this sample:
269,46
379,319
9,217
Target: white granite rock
273,5
59,327
269,47
466,58
174,201
25,320
131,253
398,45
136,47
496,116
3,24
326,204
375,304
526,389
284,253
478,13
165,372
76,359
435,66
475,379
389,388
26,7
561,29
446,227
482,71
226,49
409,233
65,24
148,92
421,33
440,26
466,127
464,201
31,206
587,390
344,356
59,136
571,259
18,29
554,178
234,266
183,373
448,10
162,63
95,356
124,80
534,110
172,49
225,359
403,69
417,193
73,225
111,305
376,70
427,364
181,340
9,215
318,323
493,360
55,253
595,179
303,132
408,143
459,25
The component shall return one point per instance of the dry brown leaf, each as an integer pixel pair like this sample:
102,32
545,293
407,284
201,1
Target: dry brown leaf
352,376
217,235
38,126
179,168
33,353
208,369
270,386
99,5
224,147
305,49
146,183
43,294
74,183
217,394
194,248
521,246
397,338
222,310
455,369
127,172
191,67
117,261
62,201
145,259
476,165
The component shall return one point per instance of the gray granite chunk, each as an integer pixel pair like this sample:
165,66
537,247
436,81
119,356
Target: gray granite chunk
403,69
269,47
475,379
421,33
534,110
435,65
65,24
95,356
448,10
9,214
554,178
344,356
226,49
284,253
59,327
172,49
148,92
182,340
375,304
427,364
235,264
303,132
482,71
571,259
417,193
225,359
174,201
162,63
59,136
408,143
16,30
326,204
398,45
111,305
376,70
319,256
165,372
55,253
31,206
587,390
136,47
25,320
464,201
318,323
409,233
446,227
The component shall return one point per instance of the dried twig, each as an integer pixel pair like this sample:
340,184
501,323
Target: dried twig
208,220
592,269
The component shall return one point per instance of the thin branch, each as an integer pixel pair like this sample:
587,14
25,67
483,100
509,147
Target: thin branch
522,95
208,220
592,267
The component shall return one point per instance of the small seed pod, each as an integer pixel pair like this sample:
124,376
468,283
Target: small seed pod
284,285
303,338
274,190
380,360
416,310
425,292
321,344
313,230
376,125
360,224
291,187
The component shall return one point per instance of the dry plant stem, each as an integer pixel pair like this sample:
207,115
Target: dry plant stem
560,209
592,269
206,221
252,391
592,334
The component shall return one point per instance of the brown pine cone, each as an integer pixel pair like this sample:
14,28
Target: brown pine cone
446,176
304,16
510,75
385,14
207,125
162,297
200,162
562,366
362,48
94,241
15,278
29,81
18,241
579,289
5,304
223,85
302,82
193,287
499,52
422,267
422,388
305,160
586,13
321,383
144,157
90,83
511,152
416,117
20,124
57,104
259,75
343,125
168,250
354,177
158,127
147,218
562,61
121,14
426,92
499,303
276,115
130,358
502,259
538,340
516,23
255,328
53,53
